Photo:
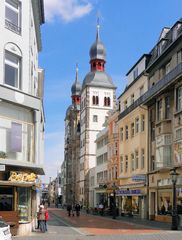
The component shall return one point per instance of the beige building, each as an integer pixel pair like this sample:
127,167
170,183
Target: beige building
165,125
133,133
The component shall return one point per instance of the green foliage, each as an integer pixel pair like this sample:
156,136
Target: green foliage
3,154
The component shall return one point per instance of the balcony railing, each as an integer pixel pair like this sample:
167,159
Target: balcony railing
12,27
154,90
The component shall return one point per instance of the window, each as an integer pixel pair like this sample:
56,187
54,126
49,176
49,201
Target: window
141,90
132,130
121,164
12,15
132,98
159,110
167,107
136,159
125,104
95,100
6,199
179,98
107,101
24,203
137,125
132,162
12,70
95,118
135,73
179,56
179,134
126,163
152,131
121,134
142,158
167,68
126,132
143,123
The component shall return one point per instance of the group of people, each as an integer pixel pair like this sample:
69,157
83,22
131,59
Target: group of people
73,208
42,218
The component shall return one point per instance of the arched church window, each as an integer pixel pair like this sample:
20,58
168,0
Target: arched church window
97,100
93,100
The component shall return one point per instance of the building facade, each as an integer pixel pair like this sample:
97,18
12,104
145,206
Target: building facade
21,109
72,145
97,98
133,138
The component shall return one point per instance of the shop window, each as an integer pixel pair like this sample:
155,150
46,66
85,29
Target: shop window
12,70
13,16
165,202
6,199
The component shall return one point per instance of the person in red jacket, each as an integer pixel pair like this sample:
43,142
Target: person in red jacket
46,218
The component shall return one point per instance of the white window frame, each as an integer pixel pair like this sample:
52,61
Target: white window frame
9,24
14,65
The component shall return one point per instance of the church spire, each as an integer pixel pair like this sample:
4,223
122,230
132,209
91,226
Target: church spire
76,88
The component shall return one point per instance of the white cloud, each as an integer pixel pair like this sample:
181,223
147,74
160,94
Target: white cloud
67,10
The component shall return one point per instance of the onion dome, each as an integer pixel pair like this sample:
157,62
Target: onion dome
97,50
76,87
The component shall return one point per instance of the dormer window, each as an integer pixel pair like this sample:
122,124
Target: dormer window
135,73
175,31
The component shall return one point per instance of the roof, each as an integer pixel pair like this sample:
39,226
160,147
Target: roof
98,79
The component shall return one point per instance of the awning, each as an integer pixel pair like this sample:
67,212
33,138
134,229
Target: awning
18,166
17,184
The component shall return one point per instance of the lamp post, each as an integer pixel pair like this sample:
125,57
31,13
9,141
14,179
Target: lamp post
114,201
174,174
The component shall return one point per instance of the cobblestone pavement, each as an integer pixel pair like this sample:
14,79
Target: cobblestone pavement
88,227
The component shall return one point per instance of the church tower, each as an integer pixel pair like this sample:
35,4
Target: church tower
97,99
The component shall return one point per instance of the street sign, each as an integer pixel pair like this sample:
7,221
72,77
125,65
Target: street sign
2,168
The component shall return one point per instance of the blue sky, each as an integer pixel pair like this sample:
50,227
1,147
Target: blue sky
129,28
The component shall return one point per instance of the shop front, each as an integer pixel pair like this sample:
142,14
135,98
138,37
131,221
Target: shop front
18,200
132,202
161,197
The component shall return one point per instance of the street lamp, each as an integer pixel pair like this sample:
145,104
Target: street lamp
114,200
174,176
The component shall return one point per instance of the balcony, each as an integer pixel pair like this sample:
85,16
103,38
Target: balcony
162,84
12,27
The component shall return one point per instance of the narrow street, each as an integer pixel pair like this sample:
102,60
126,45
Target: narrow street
60,226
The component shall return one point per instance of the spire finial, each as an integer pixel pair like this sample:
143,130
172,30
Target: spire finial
76,79
98,27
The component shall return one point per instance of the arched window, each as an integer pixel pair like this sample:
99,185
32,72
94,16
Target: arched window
93,100
105,101
108,101
97,100
12,65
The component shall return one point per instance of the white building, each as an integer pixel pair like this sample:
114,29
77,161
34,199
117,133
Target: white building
21,108
97,98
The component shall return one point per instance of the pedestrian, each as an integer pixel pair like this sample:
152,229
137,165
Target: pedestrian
42,219
101,209
69,208
46,218
77,209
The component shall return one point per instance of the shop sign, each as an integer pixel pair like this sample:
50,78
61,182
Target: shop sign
129,192
22,177
2,168
139,178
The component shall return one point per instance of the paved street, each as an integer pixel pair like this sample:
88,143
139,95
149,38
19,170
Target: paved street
96,227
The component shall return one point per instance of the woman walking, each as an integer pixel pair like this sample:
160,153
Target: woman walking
42,226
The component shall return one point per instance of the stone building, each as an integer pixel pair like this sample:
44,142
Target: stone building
72,145
21,110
